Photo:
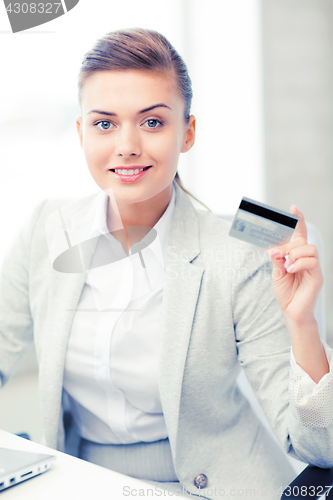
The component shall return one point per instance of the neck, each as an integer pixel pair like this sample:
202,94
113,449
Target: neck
145,213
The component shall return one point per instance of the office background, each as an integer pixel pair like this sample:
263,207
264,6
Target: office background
262,73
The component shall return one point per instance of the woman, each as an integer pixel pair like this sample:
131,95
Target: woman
143,339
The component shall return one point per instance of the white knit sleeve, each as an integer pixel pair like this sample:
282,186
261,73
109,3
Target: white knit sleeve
313,402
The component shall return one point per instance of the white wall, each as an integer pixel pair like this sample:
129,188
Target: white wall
298,61
222,48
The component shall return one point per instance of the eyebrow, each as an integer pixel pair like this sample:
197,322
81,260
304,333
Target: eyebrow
106,113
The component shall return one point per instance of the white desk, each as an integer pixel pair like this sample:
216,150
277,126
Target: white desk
73,479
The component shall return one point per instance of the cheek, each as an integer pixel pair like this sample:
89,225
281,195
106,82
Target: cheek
164,148
96,150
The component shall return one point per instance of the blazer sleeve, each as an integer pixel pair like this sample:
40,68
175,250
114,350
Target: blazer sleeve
16,322
263,345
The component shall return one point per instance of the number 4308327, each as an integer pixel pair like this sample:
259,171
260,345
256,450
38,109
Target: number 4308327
33,8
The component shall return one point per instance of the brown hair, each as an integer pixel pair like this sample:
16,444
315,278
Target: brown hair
142,49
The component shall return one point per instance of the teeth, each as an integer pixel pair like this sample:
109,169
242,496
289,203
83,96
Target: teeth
128,172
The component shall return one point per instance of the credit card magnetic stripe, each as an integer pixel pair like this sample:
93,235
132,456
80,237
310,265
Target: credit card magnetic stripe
267,213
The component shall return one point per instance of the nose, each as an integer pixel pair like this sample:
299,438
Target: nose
127,142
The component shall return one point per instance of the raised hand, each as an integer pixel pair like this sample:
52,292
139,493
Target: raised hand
297,277
297,280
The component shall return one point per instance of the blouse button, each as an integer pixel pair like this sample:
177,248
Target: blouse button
201,481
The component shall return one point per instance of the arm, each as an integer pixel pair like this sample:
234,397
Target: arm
297,280
263,343
308,386
16,324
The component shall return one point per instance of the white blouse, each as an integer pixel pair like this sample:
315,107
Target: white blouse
111,367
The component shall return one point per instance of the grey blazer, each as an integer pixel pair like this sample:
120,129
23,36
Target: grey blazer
218,314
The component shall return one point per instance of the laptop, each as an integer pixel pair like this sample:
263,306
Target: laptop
17,466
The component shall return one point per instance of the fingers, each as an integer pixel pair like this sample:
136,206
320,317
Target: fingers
300,258
299,237
308,264
296,255
305,264
304,258
297,251
302,252
284,250
278,261
293,248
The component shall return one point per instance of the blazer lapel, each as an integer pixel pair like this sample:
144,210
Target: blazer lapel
64,295
180,296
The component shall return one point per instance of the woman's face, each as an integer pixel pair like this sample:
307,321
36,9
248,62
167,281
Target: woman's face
133,119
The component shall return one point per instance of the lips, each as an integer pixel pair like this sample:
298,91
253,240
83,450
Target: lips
129,168
129,177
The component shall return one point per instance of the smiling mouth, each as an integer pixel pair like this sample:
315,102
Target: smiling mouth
120,171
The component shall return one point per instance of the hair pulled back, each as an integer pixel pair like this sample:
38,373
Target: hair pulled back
140,49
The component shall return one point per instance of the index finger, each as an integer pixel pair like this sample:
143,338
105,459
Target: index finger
300,230
300,234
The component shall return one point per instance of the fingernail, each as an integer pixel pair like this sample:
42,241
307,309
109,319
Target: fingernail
290,268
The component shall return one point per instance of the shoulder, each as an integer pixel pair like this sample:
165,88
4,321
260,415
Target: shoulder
216,245
67,205
53,213
212,225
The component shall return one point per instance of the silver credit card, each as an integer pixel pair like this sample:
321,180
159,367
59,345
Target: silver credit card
262,225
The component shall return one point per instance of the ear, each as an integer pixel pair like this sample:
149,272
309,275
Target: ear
79,128
189,137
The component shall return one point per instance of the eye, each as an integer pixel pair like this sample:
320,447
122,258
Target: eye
152,123
103,125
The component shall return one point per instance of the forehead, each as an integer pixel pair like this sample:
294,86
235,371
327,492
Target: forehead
130,87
